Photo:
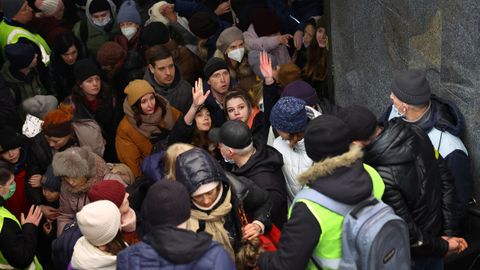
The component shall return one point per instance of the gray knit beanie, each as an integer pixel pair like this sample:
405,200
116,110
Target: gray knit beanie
227,37
40,105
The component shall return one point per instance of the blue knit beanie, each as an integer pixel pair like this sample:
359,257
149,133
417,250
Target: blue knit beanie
289,115
128,13
52,182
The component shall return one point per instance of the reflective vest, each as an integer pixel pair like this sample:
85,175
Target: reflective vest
377,181
10,34
35,265
328,250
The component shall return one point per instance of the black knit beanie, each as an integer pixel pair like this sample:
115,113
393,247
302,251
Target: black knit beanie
412,87
203,24
85,68
155,33
214,64
98,5
326,136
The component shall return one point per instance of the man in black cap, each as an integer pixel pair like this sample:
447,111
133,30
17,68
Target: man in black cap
404,157
217,77
440,119
99,25
261,163
21,76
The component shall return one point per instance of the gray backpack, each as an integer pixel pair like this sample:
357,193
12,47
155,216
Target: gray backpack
373,237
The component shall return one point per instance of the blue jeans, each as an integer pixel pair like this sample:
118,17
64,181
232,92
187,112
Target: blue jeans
427,263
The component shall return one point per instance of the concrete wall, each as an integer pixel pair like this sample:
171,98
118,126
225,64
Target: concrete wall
373,39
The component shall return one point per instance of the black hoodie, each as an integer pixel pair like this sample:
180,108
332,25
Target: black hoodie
265,169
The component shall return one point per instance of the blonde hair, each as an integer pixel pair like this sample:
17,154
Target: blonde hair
173,151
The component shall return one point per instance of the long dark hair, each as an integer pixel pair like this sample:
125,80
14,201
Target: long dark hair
64,42
137,108
104,96
316,66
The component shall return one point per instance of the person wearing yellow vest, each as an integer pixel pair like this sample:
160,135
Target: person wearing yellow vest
338,173
18,240
16,15
405,159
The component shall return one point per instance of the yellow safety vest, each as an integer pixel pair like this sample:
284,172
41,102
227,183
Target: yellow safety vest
35,265
10,34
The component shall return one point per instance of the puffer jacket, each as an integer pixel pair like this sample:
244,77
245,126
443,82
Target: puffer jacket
168,247
295,161
196,167
416,185
445,127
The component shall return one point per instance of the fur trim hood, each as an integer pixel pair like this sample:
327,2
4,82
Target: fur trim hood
327,166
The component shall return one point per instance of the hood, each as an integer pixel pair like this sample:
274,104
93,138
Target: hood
446,116
265,159
393,146
153,166
196,167
113,11
177,245
341,178
162,90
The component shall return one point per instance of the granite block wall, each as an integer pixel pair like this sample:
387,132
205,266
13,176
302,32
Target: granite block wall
374,39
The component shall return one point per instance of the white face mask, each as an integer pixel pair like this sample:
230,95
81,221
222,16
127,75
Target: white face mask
129,31
395,113
102,22
236,54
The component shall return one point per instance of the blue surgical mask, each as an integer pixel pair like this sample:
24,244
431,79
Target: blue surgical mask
11,190
395,113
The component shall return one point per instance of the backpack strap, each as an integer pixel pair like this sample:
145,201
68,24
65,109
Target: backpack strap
319,198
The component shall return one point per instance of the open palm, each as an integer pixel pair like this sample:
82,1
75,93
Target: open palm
266,65
197,93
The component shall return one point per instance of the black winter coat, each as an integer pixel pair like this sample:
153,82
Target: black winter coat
196,167
417,186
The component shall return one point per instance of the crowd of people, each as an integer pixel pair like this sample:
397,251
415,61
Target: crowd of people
147,135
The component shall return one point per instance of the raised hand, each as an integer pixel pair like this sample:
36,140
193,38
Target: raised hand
197,93
297,39
34,216
266,65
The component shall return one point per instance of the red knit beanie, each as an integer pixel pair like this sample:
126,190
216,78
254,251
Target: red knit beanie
111,190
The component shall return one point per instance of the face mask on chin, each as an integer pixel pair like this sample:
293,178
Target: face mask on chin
11,190
129,31
237,54
395,113
102,22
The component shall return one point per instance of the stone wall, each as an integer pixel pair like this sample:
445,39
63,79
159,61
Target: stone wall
373,39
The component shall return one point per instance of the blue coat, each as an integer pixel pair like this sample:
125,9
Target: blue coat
168,247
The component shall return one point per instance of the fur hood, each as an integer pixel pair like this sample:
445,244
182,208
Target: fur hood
74,162
327,166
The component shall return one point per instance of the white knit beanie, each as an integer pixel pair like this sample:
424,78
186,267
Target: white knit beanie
99,222
48,7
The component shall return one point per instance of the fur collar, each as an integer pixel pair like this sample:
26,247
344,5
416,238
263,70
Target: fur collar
329,165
